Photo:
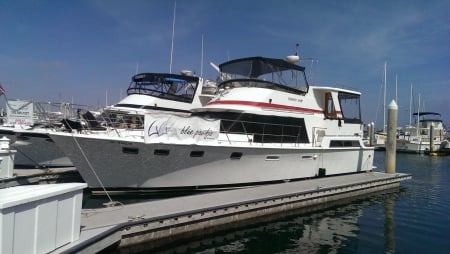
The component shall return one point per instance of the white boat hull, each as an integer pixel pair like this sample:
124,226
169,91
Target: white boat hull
39,152
415,147
138,165
35,149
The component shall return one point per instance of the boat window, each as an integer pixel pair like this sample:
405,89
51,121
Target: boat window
264,129
330,111
130,150
161,152
344,143
197,153
235,155
276,72
350,107
272,158
168,86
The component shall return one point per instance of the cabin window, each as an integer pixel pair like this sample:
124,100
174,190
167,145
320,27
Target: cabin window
197,153
130,150
330,111
161,152
264,129
350,107
272,158
344,143
236,156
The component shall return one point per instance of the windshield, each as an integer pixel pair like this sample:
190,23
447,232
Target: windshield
267,70
167,86
350,107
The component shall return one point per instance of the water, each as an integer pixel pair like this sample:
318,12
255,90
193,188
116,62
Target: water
412,219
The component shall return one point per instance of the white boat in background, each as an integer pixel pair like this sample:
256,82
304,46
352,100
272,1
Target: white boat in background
27,123
150,93
416,139
264,125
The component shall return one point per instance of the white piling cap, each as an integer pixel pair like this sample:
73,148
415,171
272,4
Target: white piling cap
393,105
4,143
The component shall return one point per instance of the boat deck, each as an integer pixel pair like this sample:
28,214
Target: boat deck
162,221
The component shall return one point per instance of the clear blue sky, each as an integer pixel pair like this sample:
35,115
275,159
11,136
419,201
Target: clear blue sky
52,50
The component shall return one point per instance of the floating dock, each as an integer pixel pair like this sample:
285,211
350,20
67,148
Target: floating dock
30,176
150,225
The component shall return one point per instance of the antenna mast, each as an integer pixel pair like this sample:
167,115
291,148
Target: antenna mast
410,105
384,103
201,62
173,35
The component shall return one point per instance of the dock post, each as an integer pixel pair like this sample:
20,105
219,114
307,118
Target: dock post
391,142
372,133
6,159
431,138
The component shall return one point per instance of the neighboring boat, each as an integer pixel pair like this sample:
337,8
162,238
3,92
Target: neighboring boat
416,139
264,125
26,124
158,93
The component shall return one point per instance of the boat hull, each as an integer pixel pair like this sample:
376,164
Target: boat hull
118,164
35,149
415,147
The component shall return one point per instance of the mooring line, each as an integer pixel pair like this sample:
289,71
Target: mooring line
111,202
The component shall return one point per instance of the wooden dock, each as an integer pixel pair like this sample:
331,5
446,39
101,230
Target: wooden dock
149,225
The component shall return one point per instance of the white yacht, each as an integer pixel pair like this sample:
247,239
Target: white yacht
147,93
416,139
159,93
266,124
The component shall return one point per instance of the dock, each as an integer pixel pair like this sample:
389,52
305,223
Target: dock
30,176
150,225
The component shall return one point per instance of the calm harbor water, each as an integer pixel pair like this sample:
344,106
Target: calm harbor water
412,219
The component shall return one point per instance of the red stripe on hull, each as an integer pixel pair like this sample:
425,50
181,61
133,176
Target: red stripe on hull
266,105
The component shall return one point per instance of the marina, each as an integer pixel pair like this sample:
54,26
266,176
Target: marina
114,138
150,225
243,166
154,224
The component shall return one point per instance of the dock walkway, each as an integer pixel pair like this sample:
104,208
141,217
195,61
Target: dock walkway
26,176
155,223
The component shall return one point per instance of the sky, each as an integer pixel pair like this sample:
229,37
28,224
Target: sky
86,51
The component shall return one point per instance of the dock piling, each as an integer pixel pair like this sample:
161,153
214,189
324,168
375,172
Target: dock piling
370,133
391,142
431,138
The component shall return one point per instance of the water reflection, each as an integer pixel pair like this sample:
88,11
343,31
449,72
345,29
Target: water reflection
334,230
389,224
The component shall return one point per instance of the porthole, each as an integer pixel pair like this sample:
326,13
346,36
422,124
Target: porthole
197,153
272,158
161,152
235,155
130,150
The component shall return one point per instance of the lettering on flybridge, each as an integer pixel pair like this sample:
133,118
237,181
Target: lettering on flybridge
176,129
206,134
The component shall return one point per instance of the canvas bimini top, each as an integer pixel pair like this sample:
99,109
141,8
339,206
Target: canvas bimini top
165,85
269,70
